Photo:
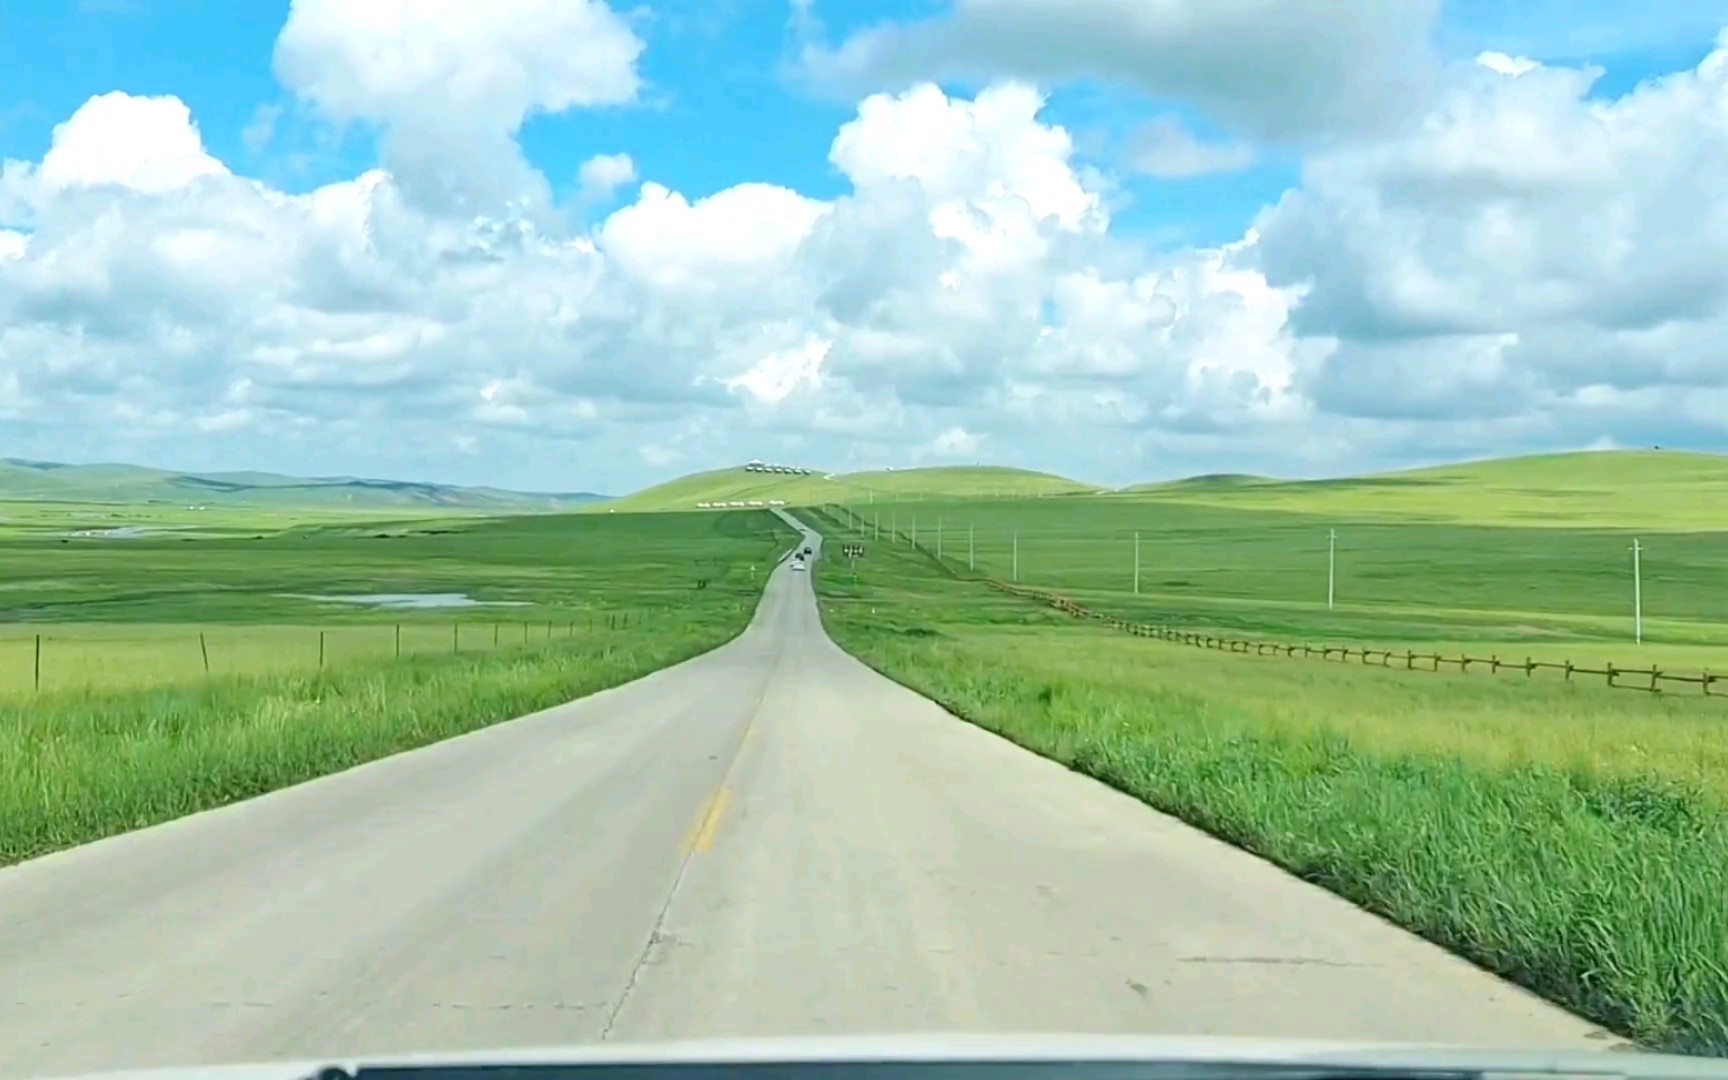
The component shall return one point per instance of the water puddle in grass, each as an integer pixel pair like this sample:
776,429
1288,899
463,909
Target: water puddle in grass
128,532
411,600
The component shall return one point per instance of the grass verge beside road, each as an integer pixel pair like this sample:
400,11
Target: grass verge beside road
1573,840
1246,568
79,765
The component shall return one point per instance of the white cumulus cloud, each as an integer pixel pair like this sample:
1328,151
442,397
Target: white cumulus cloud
1272,68
1523,264
451,84
602,175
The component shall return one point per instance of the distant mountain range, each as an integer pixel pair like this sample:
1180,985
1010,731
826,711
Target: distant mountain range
52,481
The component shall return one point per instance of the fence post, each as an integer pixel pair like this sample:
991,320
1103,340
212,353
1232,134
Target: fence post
524,632
205,650
1611,672
1568,671
494,635
1529,667
398,641
455,637
320,650
38,661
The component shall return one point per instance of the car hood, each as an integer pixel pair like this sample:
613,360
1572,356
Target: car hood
939,1048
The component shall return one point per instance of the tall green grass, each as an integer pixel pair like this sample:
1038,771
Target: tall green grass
79,765
1571,839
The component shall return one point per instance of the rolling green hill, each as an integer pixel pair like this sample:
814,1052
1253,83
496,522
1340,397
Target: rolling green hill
1660,489
741,485
49,481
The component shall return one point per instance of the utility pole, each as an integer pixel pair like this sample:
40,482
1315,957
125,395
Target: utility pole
1637,594
1136,564
1331,565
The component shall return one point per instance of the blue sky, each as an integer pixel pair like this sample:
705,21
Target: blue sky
720,111
724,103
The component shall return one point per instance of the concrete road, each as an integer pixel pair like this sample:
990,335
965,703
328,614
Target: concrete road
769,839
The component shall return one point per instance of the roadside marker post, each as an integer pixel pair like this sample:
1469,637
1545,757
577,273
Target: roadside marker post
1637,593
1331,565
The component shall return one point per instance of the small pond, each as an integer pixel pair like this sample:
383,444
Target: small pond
411,600
128,532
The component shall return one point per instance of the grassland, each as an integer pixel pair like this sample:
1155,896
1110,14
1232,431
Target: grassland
899,485
1572,839
111,613
112,484
1553,591
1670,490
156,738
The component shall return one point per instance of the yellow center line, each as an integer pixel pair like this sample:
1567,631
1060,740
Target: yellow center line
707,825
695,829
710,826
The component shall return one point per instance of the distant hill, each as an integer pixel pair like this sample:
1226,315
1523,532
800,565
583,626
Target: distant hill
51,481
741,484
1658,489
1206,482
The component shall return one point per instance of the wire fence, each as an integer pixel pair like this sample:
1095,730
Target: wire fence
111,657
1652,679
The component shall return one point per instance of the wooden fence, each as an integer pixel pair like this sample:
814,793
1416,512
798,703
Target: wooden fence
1650,679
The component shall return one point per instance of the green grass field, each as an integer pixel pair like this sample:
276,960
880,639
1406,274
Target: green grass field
899,485
1666,489
136,733
1570,838
144,611
559,566
52,483
1259,569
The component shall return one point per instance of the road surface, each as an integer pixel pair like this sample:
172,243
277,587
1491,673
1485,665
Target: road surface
769,839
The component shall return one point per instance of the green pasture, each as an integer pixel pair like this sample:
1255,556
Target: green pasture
1570,837
129,730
